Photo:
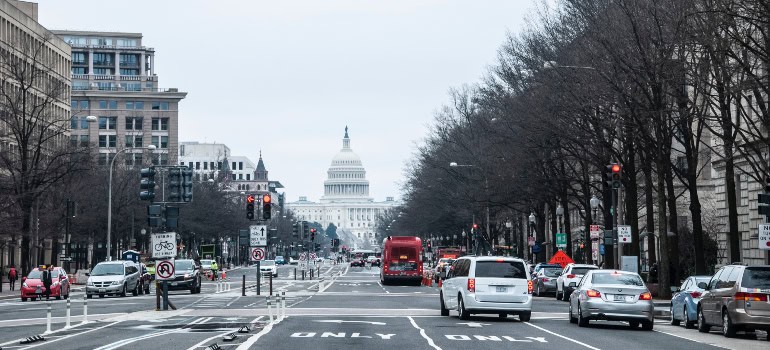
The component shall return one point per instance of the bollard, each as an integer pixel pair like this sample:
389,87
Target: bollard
218,286
85,308
243,287
318,272
68,325
303,275
311,274
295,273
271,284
157,296
48,319
259,287
269,310
283,304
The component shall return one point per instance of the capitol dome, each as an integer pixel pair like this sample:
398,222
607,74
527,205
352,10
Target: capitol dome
346,176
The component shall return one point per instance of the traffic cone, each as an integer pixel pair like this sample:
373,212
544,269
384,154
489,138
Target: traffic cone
439,283
224,275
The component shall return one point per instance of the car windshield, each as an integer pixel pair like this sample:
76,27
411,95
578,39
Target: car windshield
617,278
37,274
500,269
551,272
206,262
581,270
756,277
183,265
268,262
279,257
107,270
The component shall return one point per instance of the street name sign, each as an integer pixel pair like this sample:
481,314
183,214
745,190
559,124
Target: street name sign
624,234
163,245
561,240
257,235
764,236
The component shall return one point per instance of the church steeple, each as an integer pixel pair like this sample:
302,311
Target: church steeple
261,172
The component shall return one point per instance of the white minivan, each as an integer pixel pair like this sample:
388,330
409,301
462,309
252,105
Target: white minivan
487,285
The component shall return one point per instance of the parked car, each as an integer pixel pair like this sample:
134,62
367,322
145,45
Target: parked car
545,280
611,295
145,279
113,278
571,273
279,260
684,303
268,267
32,286
187,276
487,285
736,298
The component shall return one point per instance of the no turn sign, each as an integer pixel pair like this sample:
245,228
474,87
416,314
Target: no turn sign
164,270
257,253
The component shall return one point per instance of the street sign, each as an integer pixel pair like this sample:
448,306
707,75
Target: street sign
313,256
303,265
258,235
624,234
163,245
164,270
595,250
531,241
595,231
65,258
764,236
257,253
561,240
561,258
302,256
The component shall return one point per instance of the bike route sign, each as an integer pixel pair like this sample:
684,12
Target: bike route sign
163,245
164,270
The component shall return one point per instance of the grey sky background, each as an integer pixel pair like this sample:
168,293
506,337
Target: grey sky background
287,76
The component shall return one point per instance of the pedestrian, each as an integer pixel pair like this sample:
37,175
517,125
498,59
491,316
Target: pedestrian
47,281
12,277
214,268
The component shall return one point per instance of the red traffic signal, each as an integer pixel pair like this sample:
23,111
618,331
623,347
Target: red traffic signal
475,226
250,199
312,230
266,198
615,168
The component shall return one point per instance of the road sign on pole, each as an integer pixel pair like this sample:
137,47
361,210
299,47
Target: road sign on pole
764,236
164,270
531,241
561,240
624,234
163,245
257,253
257,235
595,231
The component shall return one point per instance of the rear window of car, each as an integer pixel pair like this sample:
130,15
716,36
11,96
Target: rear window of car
617,278
581,270
268,262
500,269
183,265
756,277
551,272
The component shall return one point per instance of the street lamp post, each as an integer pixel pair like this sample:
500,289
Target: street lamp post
109,199
595,201
559,215
531,233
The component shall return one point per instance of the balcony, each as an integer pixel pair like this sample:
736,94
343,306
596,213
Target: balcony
112,47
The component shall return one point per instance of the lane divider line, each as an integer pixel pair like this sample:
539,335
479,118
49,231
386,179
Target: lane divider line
563,337
72,335
423,334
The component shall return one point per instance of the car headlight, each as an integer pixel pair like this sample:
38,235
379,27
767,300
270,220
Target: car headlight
90,283
186,276
116,283
25,285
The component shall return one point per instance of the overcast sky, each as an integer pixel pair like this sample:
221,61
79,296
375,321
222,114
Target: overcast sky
286,76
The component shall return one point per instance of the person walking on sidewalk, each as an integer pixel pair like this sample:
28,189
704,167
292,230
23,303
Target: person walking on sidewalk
12,277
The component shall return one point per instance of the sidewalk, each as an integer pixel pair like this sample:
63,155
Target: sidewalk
7,293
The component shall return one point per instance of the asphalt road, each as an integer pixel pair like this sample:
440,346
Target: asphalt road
348,309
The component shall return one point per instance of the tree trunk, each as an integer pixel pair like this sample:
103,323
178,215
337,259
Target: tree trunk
664,287
673,226
649,203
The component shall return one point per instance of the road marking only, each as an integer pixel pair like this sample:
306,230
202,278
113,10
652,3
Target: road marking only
563,337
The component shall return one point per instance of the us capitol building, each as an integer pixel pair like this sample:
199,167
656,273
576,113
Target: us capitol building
346,202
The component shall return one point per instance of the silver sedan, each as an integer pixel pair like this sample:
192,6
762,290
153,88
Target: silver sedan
611,295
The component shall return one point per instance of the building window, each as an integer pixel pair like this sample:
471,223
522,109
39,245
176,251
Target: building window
134,87
84,140
129,71
107,140
159,124
234,168
197,165
104,86
133,159
103,104
129,60
78,58
205,166
234,177
73,140
102,71
134,105
134,123
107,123
113,104
161,106
160,141
240,176
78,70
126,43
219,165
102,59
240,165
134,141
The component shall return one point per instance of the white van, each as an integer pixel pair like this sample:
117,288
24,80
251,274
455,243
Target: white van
487,285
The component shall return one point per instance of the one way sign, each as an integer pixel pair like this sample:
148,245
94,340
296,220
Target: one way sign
258,235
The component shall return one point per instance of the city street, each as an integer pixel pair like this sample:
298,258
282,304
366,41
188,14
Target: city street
352,309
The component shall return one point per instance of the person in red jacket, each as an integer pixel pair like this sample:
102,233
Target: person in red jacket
12,277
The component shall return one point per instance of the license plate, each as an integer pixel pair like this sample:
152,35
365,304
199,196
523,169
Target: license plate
174,283
622,297
102,290
501,289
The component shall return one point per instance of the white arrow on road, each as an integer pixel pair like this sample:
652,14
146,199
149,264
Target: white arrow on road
343,321
475,324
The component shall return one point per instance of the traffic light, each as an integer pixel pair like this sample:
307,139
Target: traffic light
295,229
430,249
305,230
250,207
187,185
475,226
764,200
174,184
147,184
312,234
267,203
614,175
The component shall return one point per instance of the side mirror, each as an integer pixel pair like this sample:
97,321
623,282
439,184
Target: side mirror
675,289
88,274
703,285
572,284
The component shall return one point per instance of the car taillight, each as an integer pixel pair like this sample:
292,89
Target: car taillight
645,296
530,287
472,285
592,293
571,276
750,296
696,294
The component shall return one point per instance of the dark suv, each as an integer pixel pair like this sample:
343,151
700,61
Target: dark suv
187,275
736,298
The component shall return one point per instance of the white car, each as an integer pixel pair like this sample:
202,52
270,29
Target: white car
487,285
571,273
268,267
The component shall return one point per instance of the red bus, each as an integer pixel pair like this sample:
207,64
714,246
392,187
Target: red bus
401,259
